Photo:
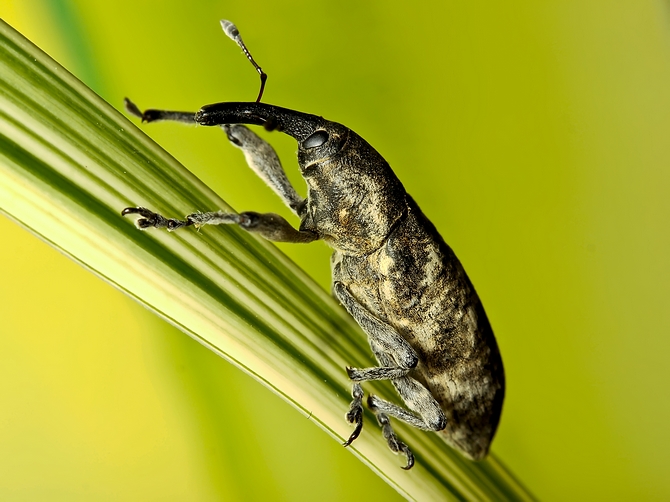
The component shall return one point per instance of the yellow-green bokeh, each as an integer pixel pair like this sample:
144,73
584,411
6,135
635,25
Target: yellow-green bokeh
534,134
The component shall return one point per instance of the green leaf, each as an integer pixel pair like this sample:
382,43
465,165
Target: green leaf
69,163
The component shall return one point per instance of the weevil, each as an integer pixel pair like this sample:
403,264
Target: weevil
391,270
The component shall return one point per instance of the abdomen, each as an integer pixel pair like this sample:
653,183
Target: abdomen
415,283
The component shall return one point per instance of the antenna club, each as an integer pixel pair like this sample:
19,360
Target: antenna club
230,29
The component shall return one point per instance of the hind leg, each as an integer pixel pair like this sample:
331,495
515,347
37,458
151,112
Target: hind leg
396,359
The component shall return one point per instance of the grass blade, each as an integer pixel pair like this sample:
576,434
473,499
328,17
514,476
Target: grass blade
69,163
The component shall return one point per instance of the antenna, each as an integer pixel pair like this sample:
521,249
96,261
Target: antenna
234,34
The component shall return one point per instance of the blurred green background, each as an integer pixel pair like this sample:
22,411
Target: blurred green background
535,135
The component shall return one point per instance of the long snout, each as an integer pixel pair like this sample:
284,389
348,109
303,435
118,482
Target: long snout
296,124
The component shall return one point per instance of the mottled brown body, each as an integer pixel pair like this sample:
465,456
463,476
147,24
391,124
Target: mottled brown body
415,283
397,266
391,270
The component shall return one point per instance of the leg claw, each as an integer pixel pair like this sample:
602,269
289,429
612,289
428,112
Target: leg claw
355,414
395,445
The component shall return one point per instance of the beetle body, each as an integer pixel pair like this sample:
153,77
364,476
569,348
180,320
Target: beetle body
391,270
397,266
415,283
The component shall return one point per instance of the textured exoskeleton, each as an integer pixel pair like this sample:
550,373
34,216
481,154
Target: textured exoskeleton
391,270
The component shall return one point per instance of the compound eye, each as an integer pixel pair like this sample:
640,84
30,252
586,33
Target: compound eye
316,139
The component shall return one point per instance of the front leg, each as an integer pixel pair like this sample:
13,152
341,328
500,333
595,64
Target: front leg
259,154
263,160
268,225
